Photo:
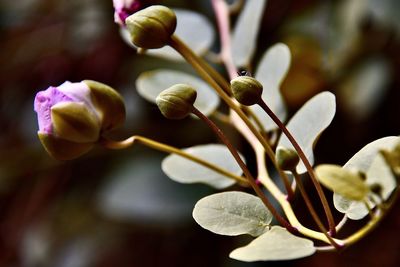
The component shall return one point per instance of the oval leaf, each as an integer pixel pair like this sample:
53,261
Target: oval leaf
276,244
341,181
244,38
149,84
308,123
376,172
232,213
185,171
271,71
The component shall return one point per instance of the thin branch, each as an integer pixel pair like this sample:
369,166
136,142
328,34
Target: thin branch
111,144
306,163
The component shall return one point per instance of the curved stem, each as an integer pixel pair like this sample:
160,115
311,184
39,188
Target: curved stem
379,214
312,210
205,73
287,208
111,144
245,170
221,11
342,222
306,163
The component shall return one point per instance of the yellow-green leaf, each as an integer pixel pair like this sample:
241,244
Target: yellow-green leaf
344,182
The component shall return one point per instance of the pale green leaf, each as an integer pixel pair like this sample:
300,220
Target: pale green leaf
244,38
393,159
342,181
271,71
193,28
185,171
151,83
276,244
308,123
369,161
232,213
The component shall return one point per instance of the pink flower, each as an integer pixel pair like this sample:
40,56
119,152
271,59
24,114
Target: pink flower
73,116
125,8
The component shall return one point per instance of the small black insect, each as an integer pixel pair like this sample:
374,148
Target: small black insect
243,73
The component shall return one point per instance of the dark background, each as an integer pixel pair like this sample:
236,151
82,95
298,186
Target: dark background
57,213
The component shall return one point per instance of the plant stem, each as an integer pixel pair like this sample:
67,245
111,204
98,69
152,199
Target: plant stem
205,73
312,210
221,11
111,144
378,216
283,202
245,170
342,222
299,150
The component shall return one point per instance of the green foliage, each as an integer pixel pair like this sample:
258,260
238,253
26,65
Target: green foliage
347,183
308,123
232,213
244,37
270,72
185,171
376,171
276,244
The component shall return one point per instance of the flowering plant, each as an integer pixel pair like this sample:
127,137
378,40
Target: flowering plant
75,116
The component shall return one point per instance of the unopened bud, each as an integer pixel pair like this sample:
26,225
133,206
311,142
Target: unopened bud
151,27
177,101
246,90
287,159
73,116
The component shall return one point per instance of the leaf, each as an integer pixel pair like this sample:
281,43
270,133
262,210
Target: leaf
185,171
393,159
377,171
149,84
232,213
271,71
276,244
188,23
194,29
341,181
244,37
308,123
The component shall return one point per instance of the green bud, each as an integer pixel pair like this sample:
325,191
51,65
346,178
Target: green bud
151,27
61,149
287,159
73,121
108,103
246,90
176,102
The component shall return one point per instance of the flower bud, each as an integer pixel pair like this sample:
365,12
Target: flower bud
287,159
151,27
176,102
246,90
73,116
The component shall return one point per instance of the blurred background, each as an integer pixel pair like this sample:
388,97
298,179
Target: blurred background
117,208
